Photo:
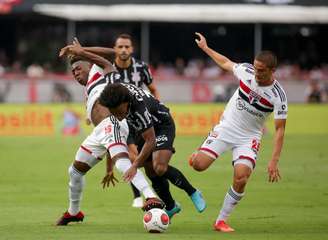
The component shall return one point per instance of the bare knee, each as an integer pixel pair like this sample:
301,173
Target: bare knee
239,182
200,161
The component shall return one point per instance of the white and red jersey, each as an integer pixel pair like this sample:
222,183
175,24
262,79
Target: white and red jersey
250,106
97,81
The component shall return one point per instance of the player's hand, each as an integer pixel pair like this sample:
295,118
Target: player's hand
201,42
65,51
273,171
109,179
76,42
75,49
130,173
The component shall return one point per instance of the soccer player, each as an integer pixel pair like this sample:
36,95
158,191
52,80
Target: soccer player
132,70
136,72
240,127
154,133
109,136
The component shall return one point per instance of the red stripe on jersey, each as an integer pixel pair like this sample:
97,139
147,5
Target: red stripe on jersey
114,144
87,150
210,151
248,90
247,158
94,78
244,87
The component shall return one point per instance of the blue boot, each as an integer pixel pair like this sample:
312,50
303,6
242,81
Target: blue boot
198,201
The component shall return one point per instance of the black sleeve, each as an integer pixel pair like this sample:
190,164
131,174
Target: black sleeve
148,76
113,77
132,136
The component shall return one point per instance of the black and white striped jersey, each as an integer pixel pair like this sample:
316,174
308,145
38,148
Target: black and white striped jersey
137,73
145,111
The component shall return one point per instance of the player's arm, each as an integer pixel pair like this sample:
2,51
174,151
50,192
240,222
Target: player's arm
133,151
153,89
91,57
273,170
224,62
148,147
107,53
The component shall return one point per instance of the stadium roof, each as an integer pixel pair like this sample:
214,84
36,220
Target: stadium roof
231,11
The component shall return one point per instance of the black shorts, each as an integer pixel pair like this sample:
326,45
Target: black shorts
165,135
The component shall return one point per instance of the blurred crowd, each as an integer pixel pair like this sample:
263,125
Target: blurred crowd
194,69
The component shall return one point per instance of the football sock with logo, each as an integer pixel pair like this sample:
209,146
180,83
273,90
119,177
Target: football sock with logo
231,199
139,180
162,188
76,185
135,191
178,179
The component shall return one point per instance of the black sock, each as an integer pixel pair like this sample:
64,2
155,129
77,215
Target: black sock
178,179
162,188
135,191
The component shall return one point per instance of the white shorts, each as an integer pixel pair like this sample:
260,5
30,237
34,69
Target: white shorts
110,136
243,153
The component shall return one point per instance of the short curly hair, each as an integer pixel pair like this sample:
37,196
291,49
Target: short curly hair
114,95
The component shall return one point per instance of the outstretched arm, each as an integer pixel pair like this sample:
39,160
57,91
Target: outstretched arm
107,53
273,170
224,62
77,50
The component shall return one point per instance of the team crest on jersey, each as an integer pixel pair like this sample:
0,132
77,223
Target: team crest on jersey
136,76
253,97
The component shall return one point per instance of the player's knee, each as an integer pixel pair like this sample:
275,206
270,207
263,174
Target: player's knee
240,182
160,169
199,164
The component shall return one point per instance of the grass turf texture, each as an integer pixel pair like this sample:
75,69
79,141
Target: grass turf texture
33,190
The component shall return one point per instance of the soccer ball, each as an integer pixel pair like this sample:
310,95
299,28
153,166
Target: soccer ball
156,220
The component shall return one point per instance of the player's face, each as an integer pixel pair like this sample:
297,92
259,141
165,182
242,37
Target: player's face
121,111
263,74
80,71
123,49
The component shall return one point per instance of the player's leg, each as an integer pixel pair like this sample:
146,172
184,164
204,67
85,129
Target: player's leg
137,199
162,188
243,166
115,141
85,160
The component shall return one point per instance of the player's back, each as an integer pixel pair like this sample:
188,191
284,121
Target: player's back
146,108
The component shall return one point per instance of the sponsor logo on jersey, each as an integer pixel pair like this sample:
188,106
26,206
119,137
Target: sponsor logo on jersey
282,112
240,104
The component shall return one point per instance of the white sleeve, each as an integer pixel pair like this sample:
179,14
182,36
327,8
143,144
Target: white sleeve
243,70
237,70
280,109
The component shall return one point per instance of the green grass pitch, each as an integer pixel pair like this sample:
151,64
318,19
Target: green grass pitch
33,190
